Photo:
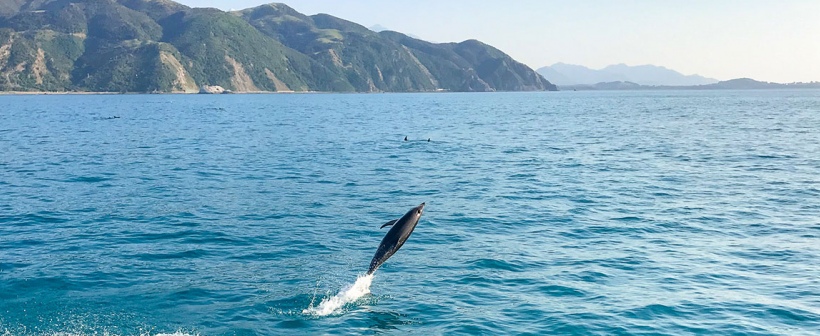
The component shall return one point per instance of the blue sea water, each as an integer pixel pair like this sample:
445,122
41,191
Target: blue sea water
586,213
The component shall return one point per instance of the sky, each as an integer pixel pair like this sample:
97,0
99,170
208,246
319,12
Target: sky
767,40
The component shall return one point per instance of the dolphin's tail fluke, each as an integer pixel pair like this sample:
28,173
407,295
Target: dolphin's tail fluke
373,268
378,259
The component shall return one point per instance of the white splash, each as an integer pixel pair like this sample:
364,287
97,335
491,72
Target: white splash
348,294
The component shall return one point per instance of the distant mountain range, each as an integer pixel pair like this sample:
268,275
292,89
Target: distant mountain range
734,84
163,46
562,74
379,28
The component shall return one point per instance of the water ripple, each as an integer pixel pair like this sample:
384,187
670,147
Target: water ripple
547,213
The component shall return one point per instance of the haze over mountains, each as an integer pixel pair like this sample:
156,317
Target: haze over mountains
163,46
562,74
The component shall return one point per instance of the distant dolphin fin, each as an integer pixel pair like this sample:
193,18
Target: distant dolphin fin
389,223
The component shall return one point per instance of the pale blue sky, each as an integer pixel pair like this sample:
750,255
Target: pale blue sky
769,40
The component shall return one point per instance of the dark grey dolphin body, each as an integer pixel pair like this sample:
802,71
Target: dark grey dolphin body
395,238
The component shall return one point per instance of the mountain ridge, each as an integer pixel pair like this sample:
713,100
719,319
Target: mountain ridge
563,74
732,84
164,46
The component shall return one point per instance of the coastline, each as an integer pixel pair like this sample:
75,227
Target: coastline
566,89
38,93
47,93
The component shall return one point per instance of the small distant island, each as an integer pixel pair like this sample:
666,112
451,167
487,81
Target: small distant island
160,46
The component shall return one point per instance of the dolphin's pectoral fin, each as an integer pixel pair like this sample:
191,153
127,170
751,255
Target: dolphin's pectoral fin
389,223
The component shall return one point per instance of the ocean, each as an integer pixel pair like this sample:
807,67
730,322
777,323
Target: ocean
566,213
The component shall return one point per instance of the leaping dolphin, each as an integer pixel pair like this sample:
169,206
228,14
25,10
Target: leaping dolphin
395,238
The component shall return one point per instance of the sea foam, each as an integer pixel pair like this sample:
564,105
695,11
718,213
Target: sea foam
347,295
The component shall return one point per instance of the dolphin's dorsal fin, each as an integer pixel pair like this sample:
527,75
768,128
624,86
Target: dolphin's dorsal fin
389,223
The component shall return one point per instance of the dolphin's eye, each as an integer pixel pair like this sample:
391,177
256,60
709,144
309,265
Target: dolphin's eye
418,211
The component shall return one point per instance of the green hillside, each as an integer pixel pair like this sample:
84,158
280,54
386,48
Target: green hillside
163,46
367,61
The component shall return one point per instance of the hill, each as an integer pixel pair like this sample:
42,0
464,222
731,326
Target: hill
568,74
390,61
163,46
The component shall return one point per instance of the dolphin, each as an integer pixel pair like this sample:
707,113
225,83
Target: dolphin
395,238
